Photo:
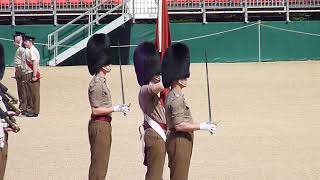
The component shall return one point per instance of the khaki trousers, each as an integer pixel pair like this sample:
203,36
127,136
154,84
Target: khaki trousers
179,148
100,144
155,150
35,96
20,78
3,158
27,89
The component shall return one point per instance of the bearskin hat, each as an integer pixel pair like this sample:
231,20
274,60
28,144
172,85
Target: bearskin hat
2,62
146,61
98,52
175,64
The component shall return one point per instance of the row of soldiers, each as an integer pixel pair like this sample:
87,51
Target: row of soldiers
7,113
27,74
168,126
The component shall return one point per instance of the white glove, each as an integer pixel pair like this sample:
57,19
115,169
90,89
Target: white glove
207,126
11,113
121,108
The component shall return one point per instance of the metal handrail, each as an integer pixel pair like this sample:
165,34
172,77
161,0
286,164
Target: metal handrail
54,35
53,38
87,25
69,23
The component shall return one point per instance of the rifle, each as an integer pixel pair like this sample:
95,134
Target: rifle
10,120
10,97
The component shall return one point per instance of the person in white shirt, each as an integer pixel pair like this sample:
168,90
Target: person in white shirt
33,61
20,70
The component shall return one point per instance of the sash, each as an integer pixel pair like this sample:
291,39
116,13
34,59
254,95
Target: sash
155,126
30,65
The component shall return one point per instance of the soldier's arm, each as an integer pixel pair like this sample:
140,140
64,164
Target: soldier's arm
35,67
156,88
7,116
188,127
178,109
35,62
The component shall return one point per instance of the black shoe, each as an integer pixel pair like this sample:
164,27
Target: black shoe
24,112
31,115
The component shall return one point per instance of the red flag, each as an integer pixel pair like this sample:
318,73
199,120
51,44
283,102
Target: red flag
163,37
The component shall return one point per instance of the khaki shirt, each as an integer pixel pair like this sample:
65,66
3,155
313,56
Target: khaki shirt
176,109
19,56
99,93
150,104
20,59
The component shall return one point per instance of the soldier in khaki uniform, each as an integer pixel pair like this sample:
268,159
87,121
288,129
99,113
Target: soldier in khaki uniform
27,83
99,128
4,126
33,62
19,64
3,132
179,144
148,69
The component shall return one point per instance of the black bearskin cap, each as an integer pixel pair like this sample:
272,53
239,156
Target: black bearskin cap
98,52
175,64
146,61
2,62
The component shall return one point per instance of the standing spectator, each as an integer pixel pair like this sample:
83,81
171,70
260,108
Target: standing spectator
32,61
19,64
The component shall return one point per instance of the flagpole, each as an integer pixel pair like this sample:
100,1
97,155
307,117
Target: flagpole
160,25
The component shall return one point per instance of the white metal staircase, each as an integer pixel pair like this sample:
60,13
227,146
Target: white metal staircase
56,39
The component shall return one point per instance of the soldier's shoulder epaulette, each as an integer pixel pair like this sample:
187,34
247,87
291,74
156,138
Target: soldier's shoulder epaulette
96,80
177,97
99,79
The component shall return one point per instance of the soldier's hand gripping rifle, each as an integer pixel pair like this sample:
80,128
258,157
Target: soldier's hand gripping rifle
8,117
11,121
12,99
13,108
8,99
